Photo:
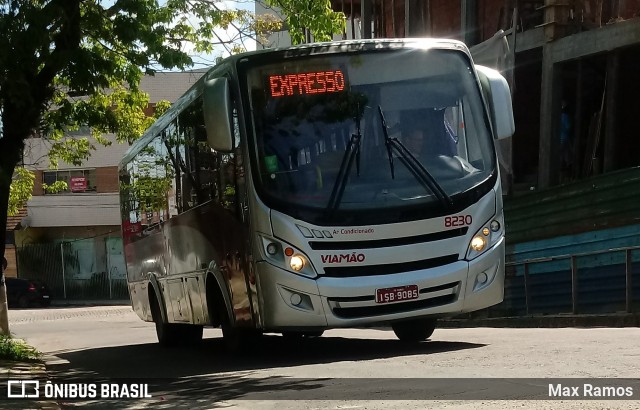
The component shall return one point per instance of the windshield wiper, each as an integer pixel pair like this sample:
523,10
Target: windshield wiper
352,151
387,141
413,164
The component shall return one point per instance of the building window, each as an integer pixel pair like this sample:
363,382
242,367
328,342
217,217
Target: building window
78,180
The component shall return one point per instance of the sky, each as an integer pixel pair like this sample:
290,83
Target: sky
207,60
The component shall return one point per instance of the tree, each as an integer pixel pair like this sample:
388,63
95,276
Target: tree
306,18
71,63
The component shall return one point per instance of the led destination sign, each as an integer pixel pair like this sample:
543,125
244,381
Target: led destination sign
317,82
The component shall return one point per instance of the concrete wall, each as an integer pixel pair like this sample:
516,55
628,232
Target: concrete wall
107,180
492,16
445,19
37,149
74,210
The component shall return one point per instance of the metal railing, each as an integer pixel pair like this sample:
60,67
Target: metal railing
512,269
73,273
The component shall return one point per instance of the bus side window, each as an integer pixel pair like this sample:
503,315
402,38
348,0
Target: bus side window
145,186
194,163
232,172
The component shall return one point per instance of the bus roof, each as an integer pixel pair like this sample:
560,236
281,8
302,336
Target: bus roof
332,47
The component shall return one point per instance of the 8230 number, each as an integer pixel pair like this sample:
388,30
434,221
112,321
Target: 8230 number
457,220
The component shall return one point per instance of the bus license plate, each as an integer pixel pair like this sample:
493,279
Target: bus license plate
397,294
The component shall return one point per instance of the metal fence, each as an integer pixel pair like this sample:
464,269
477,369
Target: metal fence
596,282
87,269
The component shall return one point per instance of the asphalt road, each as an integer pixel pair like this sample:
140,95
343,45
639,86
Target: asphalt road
344,369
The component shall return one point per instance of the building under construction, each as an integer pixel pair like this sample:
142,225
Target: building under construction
572,169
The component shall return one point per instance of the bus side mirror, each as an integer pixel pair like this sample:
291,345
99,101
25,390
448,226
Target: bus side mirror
217,114
498,95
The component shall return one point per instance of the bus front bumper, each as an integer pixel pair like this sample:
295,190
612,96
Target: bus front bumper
292,302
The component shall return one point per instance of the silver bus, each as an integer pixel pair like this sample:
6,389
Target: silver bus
322,186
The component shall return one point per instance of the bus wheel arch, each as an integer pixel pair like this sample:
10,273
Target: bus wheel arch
167,332
154,295
217,305
236,340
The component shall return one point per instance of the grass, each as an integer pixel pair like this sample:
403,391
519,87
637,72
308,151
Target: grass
18,350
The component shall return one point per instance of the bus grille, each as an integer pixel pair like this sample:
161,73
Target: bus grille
389,268
364,311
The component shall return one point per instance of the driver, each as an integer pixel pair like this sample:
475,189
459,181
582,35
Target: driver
434,143
414,141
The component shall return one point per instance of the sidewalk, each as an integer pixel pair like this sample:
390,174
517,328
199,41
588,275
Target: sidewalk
12,370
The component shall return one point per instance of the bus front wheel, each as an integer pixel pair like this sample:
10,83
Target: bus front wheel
416,330
240,340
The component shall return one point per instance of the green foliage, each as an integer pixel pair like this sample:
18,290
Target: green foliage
66,64
56,187
16,349
20,190
315,16
151,192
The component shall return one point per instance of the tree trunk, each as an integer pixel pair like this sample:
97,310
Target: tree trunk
11,145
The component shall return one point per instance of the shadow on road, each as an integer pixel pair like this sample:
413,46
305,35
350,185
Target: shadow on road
151,360
191,377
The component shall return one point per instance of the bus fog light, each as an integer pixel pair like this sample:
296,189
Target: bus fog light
296,299
495,226
272,249
482,278
296,263
478,243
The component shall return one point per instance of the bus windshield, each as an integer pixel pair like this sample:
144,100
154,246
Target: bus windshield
371,131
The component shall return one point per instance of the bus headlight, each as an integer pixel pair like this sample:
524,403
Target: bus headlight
296,262
285,256
478,243
487,236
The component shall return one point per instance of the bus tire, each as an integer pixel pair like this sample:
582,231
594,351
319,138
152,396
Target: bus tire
416,330
240,340
168,333
216,307
191,335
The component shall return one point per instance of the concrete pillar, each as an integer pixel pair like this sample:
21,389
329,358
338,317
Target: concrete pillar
469,22
365,20
550,107
611,107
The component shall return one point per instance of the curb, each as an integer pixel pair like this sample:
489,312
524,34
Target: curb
547,321
89,303
17,370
